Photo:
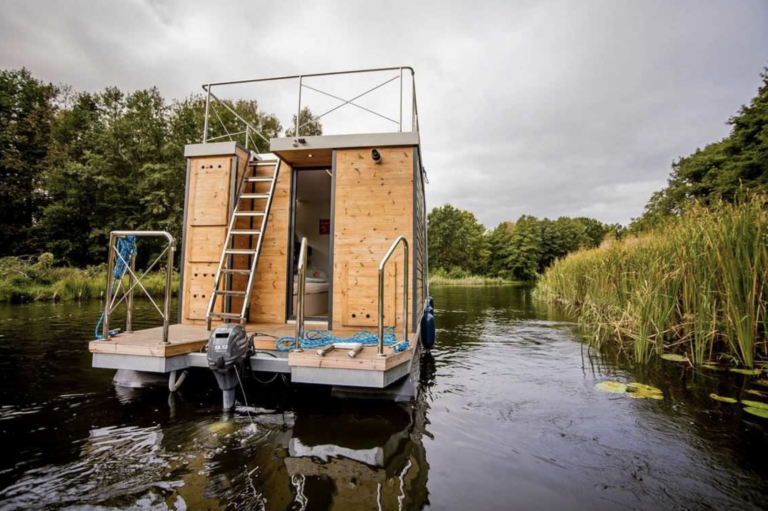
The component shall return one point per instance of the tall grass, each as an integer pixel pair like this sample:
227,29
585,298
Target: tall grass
696,285
22,280
472,280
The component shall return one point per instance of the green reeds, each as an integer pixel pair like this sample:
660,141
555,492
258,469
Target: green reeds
695,286
23,281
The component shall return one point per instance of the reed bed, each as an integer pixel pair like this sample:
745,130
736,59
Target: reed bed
23,281
697,286
473,280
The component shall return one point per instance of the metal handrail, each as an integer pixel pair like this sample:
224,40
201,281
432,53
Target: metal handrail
382,264
134,281
301,294
414,106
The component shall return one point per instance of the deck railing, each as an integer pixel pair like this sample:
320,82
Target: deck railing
249,131
134,281
301,294
382,265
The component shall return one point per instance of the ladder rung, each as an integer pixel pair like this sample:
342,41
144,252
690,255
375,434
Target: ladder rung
258,179
226,315
235,251
267,163
235,272
230,293
249,213
254,196
245,233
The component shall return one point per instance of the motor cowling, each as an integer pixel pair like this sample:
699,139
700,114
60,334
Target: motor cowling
227,350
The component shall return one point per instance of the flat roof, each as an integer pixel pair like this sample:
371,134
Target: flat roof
316,150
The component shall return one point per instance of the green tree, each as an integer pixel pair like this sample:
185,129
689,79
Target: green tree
310,124
26,113
456,240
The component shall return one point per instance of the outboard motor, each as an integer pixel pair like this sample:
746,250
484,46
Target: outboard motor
227,351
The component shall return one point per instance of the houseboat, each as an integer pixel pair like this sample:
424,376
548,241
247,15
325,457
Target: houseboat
309,260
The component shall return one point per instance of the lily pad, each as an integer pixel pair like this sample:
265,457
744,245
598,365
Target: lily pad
754,404
760,412
764,383
757,393
723,399
750,372
611,386
673,358
642,387
645,394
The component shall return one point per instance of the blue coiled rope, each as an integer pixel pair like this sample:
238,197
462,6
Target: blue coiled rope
127,248
319,338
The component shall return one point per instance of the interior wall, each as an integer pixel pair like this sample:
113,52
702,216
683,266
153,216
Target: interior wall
308,216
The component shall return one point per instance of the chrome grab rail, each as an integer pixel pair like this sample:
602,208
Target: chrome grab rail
134,281
382,264
300,294
251,130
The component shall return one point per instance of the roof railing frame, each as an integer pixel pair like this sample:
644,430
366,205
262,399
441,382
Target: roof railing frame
251,130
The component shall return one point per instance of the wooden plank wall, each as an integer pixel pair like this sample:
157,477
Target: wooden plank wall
208,206
373,206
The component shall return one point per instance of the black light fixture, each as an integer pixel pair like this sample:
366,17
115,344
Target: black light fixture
375,156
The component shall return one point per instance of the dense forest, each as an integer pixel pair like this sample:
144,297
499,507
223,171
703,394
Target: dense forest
76,165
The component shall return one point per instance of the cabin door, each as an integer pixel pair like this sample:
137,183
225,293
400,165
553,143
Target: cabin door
311,219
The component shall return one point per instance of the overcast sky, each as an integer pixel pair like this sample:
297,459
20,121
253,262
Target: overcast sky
526,107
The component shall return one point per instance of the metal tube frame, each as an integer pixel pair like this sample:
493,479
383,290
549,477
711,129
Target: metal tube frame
133,281
382,265
300,295
414,108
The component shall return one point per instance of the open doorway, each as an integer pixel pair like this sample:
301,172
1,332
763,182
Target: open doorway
311,210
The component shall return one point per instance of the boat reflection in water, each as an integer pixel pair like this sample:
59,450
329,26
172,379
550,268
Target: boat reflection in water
364,459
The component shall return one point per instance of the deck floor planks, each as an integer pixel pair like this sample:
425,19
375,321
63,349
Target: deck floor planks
191,338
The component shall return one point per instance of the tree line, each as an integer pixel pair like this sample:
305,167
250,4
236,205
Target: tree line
76,165
460,246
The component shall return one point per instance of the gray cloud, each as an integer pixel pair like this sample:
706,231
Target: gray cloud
545,108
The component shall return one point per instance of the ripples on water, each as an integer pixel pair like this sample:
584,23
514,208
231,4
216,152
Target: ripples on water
508,419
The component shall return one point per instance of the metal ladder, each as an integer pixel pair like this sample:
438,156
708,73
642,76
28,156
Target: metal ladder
250,176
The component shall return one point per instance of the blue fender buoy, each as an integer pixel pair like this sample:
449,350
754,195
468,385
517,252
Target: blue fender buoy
428,326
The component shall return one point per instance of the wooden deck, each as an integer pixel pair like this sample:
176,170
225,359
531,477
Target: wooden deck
192,338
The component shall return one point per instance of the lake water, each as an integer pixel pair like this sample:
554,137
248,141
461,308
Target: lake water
508,418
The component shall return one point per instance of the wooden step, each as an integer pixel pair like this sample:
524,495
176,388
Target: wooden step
249,213
235,272
230,293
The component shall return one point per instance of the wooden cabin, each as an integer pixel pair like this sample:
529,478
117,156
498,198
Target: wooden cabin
348,198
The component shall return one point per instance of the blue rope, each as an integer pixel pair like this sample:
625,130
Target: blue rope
319,338
127,248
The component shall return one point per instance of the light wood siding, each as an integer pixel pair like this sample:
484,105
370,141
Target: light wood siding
421,279
208,205
373,206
